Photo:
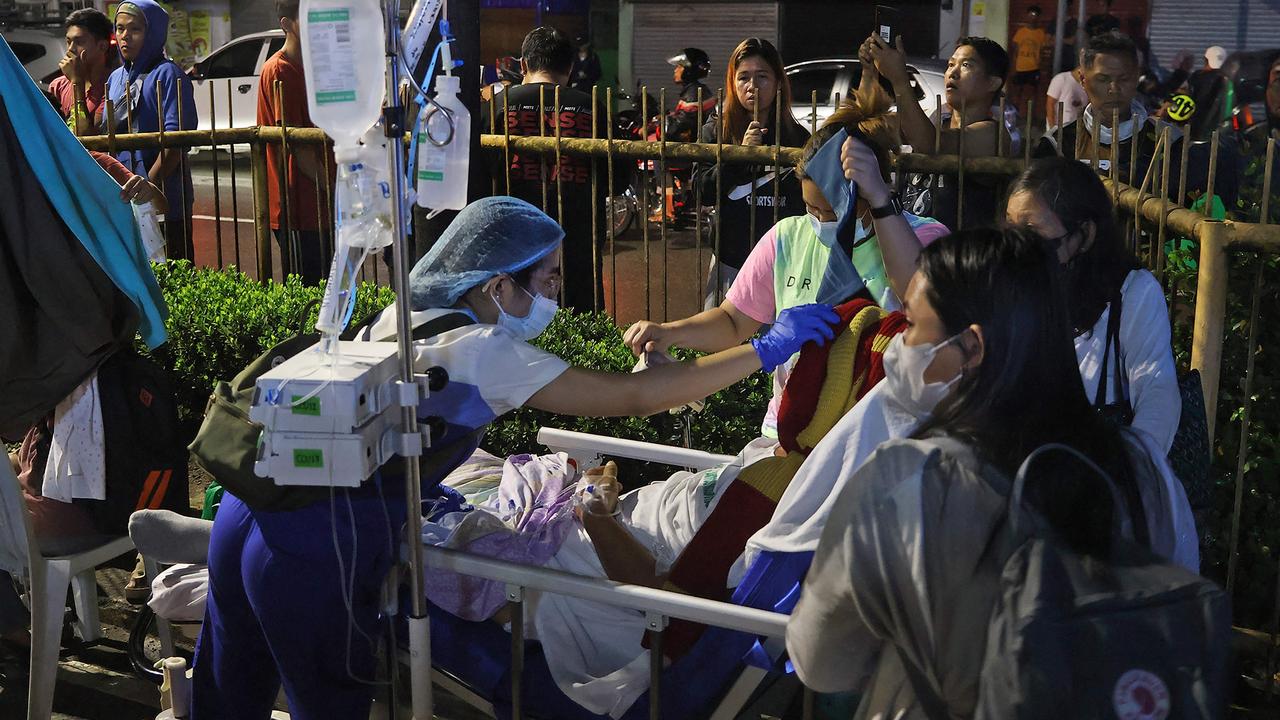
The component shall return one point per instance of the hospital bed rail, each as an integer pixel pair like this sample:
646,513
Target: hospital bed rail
659,607
590,450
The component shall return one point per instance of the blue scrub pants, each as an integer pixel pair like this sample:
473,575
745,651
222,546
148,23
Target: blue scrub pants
276,614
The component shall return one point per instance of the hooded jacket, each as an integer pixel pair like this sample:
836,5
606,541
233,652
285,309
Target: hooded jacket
149,106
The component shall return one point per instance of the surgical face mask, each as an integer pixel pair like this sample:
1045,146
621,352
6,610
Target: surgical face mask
541,312
904,367
1123,131
826,231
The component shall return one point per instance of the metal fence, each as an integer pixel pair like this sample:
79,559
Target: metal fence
672,275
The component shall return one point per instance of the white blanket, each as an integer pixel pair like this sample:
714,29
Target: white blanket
802,512
178,593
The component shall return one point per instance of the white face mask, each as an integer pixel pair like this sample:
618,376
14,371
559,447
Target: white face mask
826,231
904,367
1121,133
541,313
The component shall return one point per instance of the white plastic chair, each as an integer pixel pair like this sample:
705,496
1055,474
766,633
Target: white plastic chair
47,578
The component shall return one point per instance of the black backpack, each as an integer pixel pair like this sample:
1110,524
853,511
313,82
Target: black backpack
227,443
1128,637
1190,456
146,460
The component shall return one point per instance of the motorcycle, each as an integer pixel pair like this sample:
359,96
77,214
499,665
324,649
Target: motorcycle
672,196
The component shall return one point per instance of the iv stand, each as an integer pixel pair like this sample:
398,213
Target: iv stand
419,628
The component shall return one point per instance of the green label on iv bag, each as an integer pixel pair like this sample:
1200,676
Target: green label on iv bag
308,458
341,96
310,406
337,15
428,175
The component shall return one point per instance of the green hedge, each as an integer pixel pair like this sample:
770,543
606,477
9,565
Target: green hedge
221,320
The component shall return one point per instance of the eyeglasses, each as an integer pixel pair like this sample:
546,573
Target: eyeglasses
1053,243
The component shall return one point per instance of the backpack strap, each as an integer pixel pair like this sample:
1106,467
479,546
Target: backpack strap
425,331
930,702
1112,347
440,325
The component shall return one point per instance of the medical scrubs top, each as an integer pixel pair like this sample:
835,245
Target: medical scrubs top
491,371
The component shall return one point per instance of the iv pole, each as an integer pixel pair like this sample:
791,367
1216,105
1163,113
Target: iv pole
393,123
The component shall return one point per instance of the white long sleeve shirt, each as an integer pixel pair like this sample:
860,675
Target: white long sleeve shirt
1146,356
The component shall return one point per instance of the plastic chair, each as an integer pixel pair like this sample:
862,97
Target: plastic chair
47,578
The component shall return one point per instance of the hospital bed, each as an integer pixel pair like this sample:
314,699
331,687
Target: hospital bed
502,676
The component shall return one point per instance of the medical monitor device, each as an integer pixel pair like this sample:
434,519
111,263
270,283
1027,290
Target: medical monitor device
331,420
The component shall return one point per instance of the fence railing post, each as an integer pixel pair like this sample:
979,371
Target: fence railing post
261,208
1211,311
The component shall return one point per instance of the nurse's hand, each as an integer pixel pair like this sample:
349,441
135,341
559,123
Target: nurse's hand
793,328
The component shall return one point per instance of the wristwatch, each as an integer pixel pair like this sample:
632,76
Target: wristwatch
893,207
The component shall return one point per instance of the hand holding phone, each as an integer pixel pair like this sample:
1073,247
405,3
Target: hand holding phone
888,24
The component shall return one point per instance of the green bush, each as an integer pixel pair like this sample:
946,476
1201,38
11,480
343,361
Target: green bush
729,421
1254,597
220,320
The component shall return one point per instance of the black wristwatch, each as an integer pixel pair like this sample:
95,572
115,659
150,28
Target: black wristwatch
893,207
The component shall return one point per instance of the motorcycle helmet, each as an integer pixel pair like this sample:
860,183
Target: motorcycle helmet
696,63
508,68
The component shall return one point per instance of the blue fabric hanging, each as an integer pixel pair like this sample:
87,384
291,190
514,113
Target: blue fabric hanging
841,280
84,196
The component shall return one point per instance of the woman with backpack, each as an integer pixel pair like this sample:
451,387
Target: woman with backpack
909,565
1116,308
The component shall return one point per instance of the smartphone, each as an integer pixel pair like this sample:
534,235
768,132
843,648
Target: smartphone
888,24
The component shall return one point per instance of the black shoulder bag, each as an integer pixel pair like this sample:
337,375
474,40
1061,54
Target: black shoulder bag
1189,455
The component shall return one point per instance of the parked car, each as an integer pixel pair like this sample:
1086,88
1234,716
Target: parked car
232,71
39,49
837,77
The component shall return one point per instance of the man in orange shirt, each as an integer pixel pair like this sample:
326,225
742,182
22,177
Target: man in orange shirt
1028,43
301,218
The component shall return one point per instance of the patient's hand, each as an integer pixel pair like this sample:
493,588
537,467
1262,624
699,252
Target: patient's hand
603,501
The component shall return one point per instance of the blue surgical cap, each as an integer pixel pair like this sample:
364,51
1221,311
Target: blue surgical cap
490,237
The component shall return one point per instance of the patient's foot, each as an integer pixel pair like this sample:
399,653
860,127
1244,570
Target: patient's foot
137,590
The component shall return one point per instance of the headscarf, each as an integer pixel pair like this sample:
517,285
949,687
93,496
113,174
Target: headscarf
490,237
